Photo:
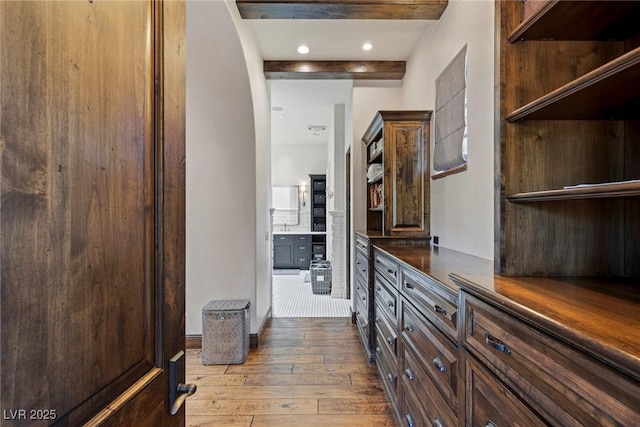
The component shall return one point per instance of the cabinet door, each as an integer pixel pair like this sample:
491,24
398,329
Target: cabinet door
283,256
406,172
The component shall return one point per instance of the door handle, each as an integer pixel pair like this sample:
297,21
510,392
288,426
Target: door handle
178,391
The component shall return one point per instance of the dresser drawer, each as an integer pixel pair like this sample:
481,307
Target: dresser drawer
302,238
420,384
386,295
412,412
490,403
362,317
281,239
387,267
386,333
388,371
436,353
361,291
362,246
438,304
362,266
563,385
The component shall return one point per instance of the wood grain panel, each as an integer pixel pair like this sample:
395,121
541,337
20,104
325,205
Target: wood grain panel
77,185
555,238
341,9
337,70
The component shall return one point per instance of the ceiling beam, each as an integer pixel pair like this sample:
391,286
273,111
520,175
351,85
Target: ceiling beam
341,9
335,70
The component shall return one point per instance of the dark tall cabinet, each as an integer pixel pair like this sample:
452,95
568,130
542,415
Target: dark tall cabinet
318,185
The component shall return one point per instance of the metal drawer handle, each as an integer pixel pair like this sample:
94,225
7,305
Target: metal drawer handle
390,271
364,270
408,327
378,288
389,340
439,364
496,343
440,310
358,287
378,350
390,303
408,285
409,420
391,377
377,320
409,374
364,298
438,422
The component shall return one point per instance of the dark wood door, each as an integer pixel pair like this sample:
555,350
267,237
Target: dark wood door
92,131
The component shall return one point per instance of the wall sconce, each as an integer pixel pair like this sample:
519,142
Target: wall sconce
304,192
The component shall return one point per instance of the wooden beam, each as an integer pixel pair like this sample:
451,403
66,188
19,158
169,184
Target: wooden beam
336,70
341,9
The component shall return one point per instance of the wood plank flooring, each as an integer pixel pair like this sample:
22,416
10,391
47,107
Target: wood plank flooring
307,372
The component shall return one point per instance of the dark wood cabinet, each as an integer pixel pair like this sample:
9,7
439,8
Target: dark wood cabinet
474,348
569,116
397,144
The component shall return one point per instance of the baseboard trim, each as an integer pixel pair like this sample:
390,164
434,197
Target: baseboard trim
195,341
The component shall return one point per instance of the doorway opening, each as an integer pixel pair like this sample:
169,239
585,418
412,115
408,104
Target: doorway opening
308,155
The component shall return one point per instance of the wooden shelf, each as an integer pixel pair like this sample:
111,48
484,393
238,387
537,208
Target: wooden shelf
376,209
579,20
609,92
376,159
617,189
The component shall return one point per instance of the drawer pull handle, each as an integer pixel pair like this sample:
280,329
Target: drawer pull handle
358,287
364,270
390,271
391,378
378,288
389,340
440,310
439,364
408,327
490,424
409,374
408,286
378,350
377,320
438,422
496,343
409,420
390,304
364,298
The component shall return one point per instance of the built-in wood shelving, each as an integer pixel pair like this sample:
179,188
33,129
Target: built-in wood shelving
617,189
579,20
611,91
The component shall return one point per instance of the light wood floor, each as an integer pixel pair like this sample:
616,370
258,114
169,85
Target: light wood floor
307,372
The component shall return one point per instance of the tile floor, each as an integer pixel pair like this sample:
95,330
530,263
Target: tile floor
293,297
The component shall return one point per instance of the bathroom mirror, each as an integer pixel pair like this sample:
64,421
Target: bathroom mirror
285,205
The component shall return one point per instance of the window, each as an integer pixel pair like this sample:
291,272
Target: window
450,141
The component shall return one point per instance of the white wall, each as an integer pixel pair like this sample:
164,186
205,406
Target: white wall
461,204
262,119
221,165
291,164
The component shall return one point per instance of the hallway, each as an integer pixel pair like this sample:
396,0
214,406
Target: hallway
307,372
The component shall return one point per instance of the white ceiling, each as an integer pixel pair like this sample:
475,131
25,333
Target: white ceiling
310,102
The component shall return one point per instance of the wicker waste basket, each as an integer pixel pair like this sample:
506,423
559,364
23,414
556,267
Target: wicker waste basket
225,332
320,276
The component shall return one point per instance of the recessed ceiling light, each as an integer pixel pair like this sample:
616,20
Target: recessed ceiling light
367,46
303,49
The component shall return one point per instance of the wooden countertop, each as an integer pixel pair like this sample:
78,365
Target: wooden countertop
598,315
